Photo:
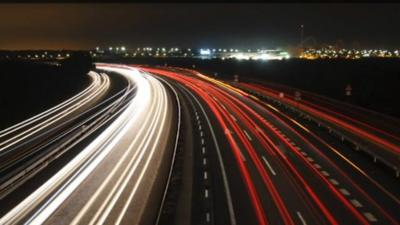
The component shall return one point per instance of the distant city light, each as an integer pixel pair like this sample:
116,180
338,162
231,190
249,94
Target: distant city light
205,52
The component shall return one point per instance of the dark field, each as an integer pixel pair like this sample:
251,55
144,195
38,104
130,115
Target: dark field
27,89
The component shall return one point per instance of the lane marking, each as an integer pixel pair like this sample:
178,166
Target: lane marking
223,107
206,193
207,217
325,173
241,155
233,117
204,161
297,147
334,182
247,134
310,159
356,203
201,133
203,150
304,153
205,175
269,166
344,191
317,166
202,141
370,217
232,216
200,127
301,218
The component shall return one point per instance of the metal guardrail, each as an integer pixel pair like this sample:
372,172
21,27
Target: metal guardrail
358,146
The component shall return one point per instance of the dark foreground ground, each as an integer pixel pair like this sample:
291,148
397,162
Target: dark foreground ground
28,88
375,82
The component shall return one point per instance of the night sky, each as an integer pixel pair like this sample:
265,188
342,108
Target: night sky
85,26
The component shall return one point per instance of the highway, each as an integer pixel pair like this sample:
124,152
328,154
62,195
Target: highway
113,175
260,162
169,145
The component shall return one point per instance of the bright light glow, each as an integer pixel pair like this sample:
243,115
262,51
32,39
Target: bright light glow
240,56
205,52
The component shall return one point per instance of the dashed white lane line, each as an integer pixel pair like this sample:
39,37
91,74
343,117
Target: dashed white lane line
234,118
310,159
344,191
356,203
208,217
206,193
269,166
241,155
200,127
297,147
203,150
247,134
205,175
204,161
317,166
325,173
201,134
304,153
202,141
301,218
370,217
223,107
334,182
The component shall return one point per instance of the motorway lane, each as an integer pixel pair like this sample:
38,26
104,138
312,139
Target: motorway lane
205,187
257,203
124,186
384,146
335,174
343,210
379,185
